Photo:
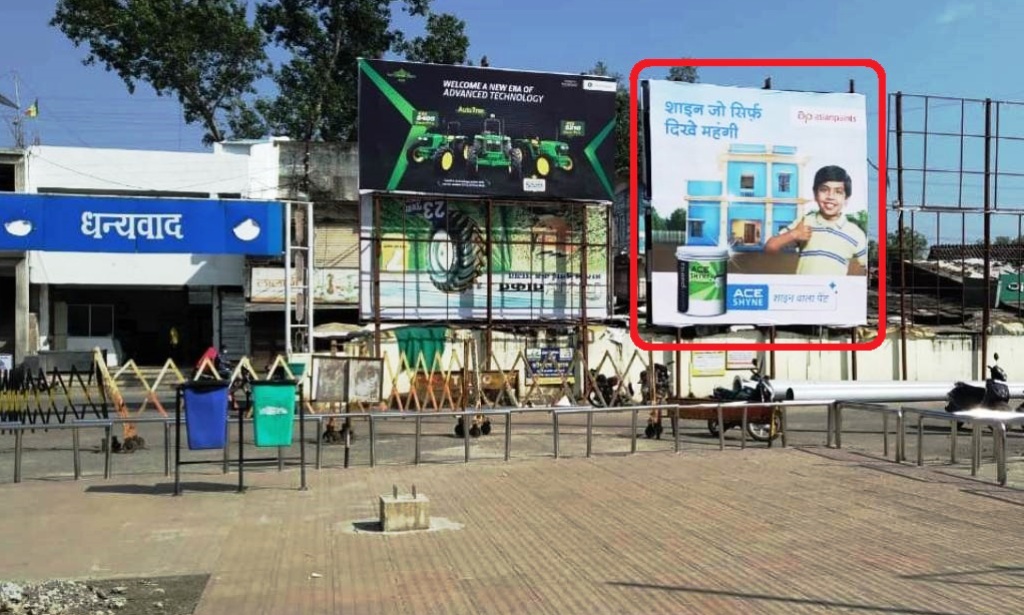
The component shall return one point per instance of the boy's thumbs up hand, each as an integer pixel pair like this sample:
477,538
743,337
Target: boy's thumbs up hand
801,232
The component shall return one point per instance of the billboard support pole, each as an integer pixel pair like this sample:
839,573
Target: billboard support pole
299,228
584,328
853,355
903,267
375,268
987,254
488,337
287,279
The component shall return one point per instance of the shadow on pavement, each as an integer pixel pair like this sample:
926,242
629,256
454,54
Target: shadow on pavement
786,599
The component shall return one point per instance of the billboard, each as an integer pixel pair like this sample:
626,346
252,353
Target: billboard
462,130
446,259
760,206
61,223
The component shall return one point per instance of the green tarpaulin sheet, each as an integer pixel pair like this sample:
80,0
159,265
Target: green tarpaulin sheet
414,341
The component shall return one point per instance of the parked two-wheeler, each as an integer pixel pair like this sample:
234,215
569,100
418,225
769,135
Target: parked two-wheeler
995,395
661,394
761,392
608,393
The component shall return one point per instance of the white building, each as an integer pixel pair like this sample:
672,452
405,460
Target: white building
127,303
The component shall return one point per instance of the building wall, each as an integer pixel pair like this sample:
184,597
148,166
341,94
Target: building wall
244,169
929,359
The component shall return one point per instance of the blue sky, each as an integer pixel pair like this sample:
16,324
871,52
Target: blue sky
938,48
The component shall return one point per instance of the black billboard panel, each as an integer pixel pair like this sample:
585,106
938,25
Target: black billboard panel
463,130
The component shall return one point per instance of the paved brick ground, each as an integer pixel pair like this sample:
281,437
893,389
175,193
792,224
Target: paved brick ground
738,531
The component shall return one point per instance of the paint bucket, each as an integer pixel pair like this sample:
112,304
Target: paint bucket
702,277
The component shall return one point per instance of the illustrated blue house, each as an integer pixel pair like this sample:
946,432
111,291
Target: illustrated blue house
761,197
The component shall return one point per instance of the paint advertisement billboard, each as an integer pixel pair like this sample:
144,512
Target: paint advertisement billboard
463,130
762,201
64,223
443,259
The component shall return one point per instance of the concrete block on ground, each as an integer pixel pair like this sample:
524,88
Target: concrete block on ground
404,513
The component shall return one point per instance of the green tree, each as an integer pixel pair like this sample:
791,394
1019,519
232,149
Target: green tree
208,54
683,73
915,245
205,53
318,86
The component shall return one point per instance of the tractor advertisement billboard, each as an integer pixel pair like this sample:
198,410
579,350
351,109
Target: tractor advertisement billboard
765,197
462,130
434,255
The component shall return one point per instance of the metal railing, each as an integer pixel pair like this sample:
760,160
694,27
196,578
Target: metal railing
671,411
997,422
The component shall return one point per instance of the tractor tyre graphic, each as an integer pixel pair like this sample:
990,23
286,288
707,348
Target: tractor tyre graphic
456,253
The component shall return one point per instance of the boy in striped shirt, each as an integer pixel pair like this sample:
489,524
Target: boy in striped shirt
828,241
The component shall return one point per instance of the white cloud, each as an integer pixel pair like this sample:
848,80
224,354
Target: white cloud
955,12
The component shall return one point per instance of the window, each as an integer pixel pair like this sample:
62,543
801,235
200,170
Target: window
86,320
747,181
784,182
696,228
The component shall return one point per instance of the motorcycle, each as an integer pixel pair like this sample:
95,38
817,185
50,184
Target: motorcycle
761,392
663,391
606,392
995,395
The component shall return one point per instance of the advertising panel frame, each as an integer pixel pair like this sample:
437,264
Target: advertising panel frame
483,132
372,250
635,333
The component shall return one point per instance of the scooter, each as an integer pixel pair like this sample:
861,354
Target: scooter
663,391
995,395
761,392
605,394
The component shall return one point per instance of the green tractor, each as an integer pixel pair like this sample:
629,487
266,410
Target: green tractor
493,148
542,157
443,149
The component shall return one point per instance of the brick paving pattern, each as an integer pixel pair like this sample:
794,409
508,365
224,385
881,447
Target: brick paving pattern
739,531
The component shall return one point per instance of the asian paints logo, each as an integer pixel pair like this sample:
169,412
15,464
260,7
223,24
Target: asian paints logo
827,116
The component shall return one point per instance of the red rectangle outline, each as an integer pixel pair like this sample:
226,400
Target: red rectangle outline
634,75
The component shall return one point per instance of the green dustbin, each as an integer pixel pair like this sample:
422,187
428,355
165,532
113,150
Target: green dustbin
273,403
297,369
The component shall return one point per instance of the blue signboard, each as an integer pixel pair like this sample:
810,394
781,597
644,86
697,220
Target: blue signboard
62,223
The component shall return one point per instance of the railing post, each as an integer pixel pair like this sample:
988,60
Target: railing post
419,433
839,426
675,427
721,428
999,444
108,457
901,437
785,425
632,435
467,421
167,448
508,434
830,423
319,441
373,441
885,434
554,427
743,430
953,433
920,439
590,433
77,450
18,435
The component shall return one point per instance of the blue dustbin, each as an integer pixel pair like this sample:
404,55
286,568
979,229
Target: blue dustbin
206,414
